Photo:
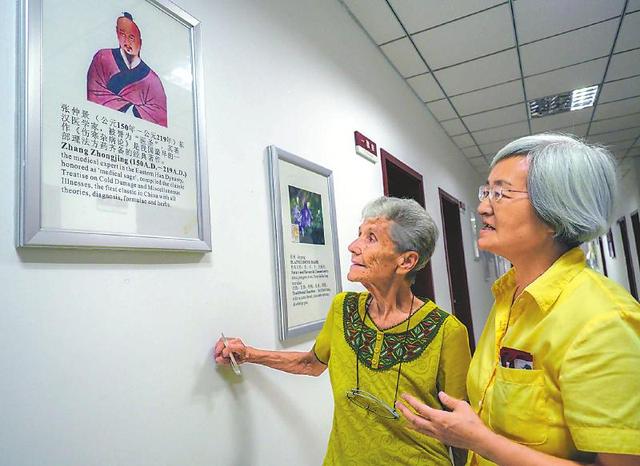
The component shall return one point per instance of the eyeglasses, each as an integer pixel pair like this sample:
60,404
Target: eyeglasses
366,400
372,403
494,193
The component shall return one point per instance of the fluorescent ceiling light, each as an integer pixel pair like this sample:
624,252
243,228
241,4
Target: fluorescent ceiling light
565,102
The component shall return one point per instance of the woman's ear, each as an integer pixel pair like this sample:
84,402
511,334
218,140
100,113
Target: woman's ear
408,261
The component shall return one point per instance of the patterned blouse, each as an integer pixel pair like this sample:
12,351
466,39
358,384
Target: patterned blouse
434,350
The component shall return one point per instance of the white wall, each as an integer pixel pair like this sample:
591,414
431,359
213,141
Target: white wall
105,357
628,202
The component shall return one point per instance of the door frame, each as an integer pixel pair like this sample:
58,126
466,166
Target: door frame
445,196
385,159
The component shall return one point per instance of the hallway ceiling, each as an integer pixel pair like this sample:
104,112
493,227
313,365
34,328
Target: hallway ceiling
475,64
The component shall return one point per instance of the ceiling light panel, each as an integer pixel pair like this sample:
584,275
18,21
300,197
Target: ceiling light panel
565,102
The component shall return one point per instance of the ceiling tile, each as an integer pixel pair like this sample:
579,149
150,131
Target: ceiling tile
622,89
442,110
376,18
484,72
619,108
492,148
615,136
502,116
629,36
566,79
479,162
404,57
417,15
624,65
634,5
612,124
467,38
575,130
556,17
472,151
620,145
492,97
464,140
453,127
566,121
568,49
633,151
512,131
426,87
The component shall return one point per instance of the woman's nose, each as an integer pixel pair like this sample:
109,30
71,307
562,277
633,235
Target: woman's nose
485,207
352,247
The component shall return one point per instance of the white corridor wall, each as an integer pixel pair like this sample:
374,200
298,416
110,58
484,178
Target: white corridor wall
105,356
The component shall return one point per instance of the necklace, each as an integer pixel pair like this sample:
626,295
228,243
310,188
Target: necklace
404,341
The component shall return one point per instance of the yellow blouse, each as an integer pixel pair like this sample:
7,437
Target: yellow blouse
582,395
435,356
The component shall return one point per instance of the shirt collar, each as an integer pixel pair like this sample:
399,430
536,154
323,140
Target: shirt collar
547,287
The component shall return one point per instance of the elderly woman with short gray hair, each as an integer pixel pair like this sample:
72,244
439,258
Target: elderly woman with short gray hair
555,377
380,343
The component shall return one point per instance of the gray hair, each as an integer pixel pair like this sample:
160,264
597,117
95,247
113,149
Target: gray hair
572,185
412,228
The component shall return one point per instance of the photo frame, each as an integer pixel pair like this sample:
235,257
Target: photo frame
306,255
112,140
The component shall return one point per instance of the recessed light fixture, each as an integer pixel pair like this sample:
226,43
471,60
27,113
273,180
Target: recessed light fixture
565,102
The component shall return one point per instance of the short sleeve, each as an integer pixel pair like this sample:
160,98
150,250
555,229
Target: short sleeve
454,359
322,346
600,383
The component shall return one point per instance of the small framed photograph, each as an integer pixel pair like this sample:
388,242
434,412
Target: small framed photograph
111,120
306,250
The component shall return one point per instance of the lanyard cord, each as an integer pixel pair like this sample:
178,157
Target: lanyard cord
404,341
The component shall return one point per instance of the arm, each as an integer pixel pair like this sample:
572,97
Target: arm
463,428
293,362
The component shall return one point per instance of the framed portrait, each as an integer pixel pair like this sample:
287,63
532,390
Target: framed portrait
111,121
306,244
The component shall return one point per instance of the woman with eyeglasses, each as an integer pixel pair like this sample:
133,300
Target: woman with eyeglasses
379,343
555,379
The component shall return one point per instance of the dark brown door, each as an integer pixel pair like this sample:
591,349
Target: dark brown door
402,181
604,261
622,223
635,224
454,251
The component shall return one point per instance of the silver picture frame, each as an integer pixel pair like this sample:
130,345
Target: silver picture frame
306,257
35,154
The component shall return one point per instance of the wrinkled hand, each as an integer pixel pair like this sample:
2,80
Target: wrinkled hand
461,427
235,346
